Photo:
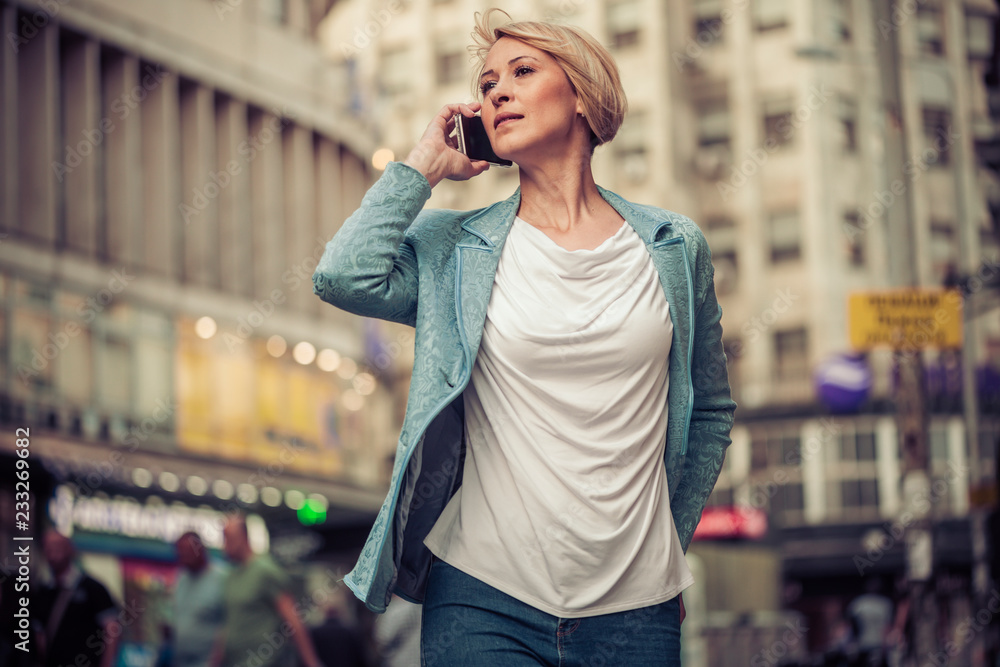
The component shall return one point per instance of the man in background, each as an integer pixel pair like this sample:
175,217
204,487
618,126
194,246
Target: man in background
199,609
76,613
871,616
261,622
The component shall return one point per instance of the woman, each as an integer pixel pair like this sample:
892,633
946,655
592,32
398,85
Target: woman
569,409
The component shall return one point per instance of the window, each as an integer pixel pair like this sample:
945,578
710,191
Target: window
778,127
758,453
938,437
848,113
937,137
784,234
851,473
770,14
721,497
708,24
944,250
859,494
733,347
713,127
857,446
4,345
791,354
154,363
989,443
624,21
776,474
979,35
273,10
855,236
840,19
630,147
394,77
32,351
449,66
723,241
114,373
930,30
776,449
791,498
713,124
74,373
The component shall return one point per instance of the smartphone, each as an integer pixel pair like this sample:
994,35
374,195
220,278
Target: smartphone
474,142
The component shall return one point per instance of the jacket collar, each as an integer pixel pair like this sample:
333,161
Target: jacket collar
492,223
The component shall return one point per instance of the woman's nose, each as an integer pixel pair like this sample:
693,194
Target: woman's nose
498,94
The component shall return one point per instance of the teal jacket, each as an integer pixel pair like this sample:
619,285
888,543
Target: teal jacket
434,270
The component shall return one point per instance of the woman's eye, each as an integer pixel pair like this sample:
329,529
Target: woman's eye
486,87
523,69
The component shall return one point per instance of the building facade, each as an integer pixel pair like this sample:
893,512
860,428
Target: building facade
171,173
765,122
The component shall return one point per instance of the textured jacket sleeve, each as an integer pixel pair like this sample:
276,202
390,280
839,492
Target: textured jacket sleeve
712,414
369,268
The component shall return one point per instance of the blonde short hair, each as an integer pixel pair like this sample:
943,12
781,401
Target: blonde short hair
589,66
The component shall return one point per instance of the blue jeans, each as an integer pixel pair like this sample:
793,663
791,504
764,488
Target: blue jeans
467,623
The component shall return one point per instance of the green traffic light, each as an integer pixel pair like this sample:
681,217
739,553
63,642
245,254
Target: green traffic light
311,513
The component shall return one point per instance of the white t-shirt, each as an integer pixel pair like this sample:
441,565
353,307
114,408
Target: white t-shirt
564,502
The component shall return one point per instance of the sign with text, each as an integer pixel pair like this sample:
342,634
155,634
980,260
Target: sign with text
905,319
729,522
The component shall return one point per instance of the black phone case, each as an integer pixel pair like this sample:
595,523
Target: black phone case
474,142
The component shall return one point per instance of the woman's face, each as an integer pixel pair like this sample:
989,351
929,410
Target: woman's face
529,107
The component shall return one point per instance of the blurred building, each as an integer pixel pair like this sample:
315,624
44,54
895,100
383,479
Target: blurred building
171,173
764,122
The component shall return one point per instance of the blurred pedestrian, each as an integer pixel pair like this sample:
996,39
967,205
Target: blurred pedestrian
568,345
339,643
78,618
262,623
871,615
397,634
199,608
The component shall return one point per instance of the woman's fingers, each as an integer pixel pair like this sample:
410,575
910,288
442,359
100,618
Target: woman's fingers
436,155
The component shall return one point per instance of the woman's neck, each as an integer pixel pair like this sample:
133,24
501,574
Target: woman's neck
559,196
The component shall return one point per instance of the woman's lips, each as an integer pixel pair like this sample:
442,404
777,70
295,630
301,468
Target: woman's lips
506,119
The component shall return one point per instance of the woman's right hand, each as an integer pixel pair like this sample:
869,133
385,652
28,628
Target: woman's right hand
435,155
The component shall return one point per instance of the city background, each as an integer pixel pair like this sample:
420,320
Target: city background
171,172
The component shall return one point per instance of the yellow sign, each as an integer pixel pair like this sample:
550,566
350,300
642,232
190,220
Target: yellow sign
905,319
